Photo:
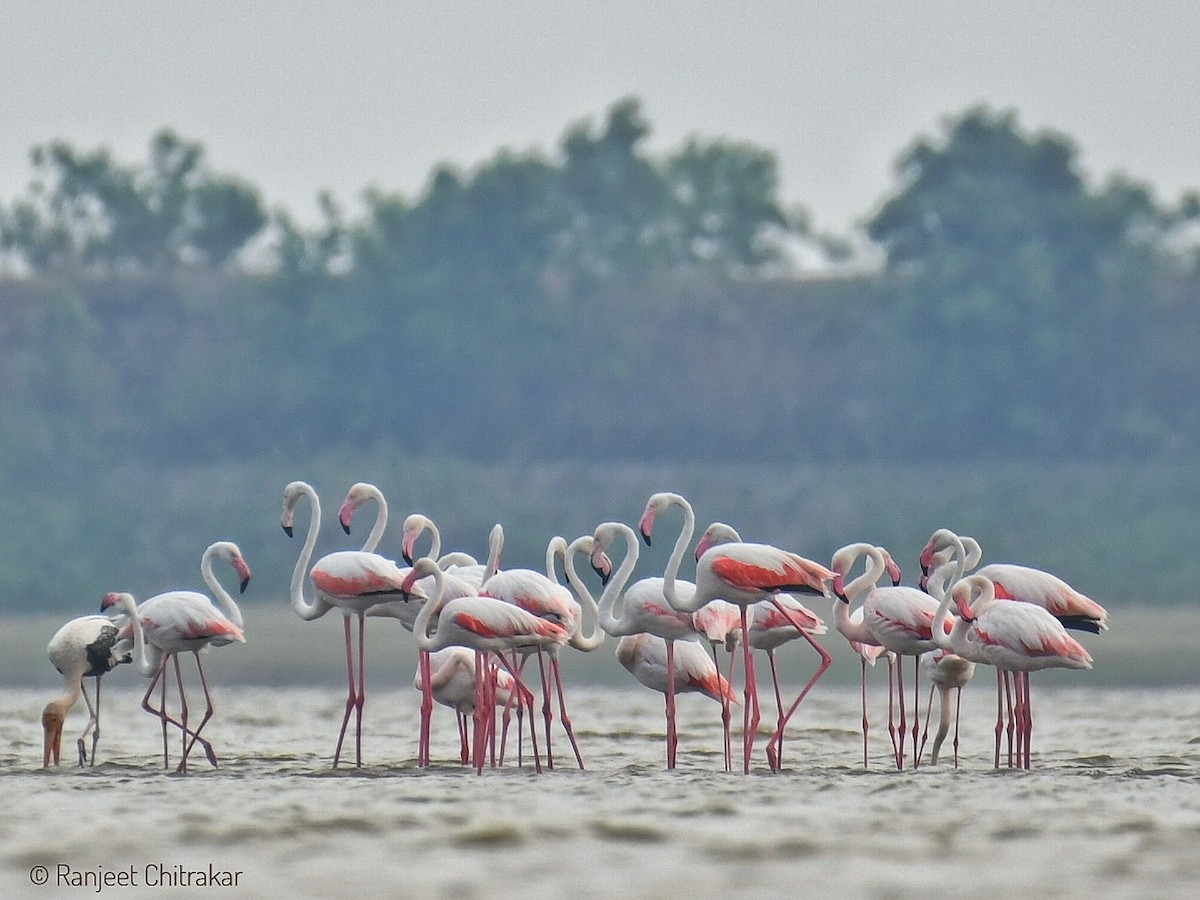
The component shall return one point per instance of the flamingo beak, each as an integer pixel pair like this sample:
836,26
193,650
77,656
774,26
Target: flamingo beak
839,588
646,525
243,571
405,551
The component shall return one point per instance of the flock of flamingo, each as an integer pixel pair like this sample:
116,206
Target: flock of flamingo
476,626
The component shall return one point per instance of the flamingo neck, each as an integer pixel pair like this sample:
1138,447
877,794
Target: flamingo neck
425,640
223,596
860,586
495,545
676,558
608,599
308,609
578,641
381,517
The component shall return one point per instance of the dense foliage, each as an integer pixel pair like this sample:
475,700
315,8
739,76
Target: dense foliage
595,303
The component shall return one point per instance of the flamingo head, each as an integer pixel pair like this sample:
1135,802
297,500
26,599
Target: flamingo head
891,568
602,566
646,523
715,534
231,554
292,495
422,568
117,603
962,595
358,494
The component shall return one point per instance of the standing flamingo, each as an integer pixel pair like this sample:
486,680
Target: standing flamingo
179,621
1017,637
896,617
743,574
452,684
947,672
86,647
486,625
769,629
644,656
352,580
644,609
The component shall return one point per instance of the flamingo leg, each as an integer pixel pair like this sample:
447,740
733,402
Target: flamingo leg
480,710
423,735
672,735
208,711
160,680
725,714
183,714
464,746
903,713
750,715
527,697
562,708
916,706
775,745
350,696
779,719
925,737
547,713
957,711
93,725
999,713
866,725
1008,694
1024,676
362,689
891,658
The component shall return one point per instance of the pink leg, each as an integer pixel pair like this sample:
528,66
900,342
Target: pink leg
351,700
562,709
866,725
183,715
1024,676
903,713
750,715
892,708
925,734
481,699
725,714
547,713
526,696
1008,693
464,754
423,735
957,709
780,721
916,706
775,745
672,736
208,711
161,712
999,713
362,689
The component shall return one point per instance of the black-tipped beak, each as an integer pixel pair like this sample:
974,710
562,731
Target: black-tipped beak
287,529
346,527
404,553
646,537
242,586
604,576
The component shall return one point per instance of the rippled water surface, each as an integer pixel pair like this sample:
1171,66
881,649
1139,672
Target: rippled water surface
1111,807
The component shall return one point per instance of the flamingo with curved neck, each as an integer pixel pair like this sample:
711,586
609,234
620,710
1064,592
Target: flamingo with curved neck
742,574
352,580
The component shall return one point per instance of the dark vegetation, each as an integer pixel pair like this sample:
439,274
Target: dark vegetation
171,353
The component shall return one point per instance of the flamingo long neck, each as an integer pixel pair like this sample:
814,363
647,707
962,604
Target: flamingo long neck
435,538
607,620
308,609
596,638
858,587
223,596
495,545
676,558
425,640
381,517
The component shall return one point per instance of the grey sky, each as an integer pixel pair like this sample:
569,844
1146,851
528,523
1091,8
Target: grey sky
302,96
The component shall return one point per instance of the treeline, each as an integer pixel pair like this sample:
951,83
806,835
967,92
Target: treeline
599,302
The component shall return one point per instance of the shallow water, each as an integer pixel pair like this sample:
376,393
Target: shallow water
1110,808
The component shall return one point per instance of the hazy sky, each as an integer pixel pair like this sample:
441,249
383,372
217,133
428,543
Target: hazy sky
298,97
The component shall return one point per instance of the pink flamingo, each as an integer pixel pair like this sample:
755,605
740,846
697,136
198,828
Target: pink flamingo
644,656
742,574
721,622
86,647
1017,637
896,617
486,625
179,621
452,684
353,581
644,610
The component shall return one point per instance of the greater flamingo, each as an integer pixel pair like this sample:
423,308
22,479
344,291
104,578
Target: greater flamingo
486,625
947,672
457,563
1017,637
742,574
86,647
896,617
644,656
769,630
644,609
352,580
187,621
